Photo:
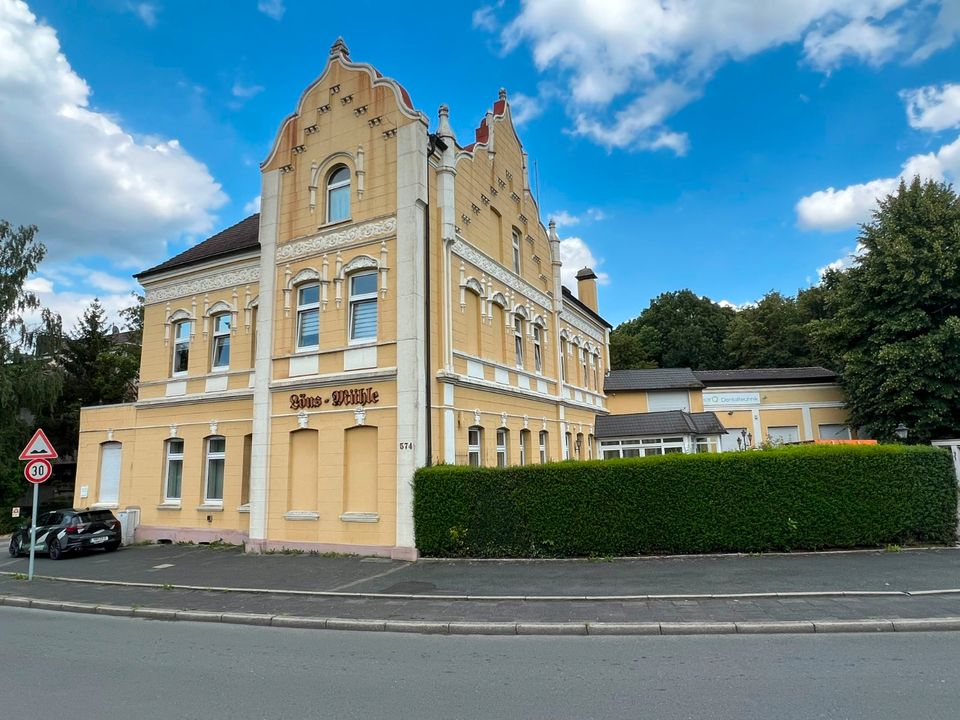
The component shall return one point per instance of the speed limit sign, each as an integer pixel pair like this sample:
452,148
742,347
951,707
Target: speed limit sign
38,471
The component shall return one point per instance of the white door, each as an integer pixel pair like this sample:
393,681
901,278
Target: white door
110,473
728,442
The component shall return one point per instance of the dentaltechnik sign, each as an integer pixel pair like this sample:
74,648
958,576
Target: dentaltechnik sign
730,399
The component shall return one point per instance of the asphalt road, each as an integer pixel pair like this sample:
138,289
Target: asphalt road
83,666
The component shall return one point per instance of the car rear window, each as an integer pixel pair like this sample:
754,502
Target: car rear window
96,515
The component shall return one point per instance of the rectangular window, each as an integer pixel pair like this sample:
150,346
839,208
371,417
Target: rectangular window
221,342
216,458
308,317
110,453
543,447
596,373
181,347
563,360
363,307
475,446
783,434
516,252
524,443
502,435
174,481
518,339
537,352
831,431
583,366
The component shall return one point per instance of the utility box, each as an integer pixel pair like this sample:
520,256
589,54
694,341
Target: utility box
129,519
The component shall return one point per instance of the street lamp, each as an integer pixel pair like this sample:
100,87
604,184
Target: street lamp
901,431
745,440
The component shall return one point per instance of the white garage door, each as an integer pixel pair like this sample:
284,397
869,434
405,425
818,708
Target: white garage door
660,400
784,434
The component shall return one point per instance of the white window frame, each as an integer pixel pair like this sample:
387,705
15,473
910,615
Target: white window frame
503,444
220,337
210,457
583,364
537,349
302,310
642,446
475,449
544,439
516,252
595,366
518,338
524,442
333,186
563,359
568,446
846,427
108,494
172,457
179,342
355,300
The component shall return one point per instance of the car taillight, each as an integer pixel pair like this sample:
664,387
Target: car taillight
72,529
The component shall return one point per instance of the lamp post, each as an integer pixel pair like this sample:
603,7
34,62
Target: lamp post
901,431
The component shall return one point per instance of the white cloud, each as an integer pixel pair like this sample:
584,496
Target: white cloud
648,58
734,306
484,17
843,262
858,39
273,8
596,214
945,31
933,108
110,283
575,255
244,92
564,219
524,108
835,209
89,184
70,305
38,285
147,12
253,206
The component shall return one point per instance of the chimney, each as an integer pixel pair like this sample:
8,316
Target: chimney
587,288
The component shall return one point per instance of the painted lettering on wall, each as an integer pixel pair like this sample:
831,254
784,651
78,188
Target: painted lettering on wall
338,398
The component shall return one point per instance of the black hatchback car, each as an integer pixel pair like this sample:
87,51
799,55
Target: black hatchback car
62,531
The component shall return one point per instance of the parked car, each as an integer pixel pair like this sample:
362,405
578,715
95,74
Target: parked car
62,531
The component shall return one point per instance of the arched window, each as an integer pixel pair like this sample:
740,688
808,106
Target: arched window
308,317
338,194
475,446
181,347
220,352
173,482
363,307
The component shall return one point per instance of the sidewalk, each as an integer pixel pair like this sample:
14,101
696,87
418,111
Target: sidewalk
730,593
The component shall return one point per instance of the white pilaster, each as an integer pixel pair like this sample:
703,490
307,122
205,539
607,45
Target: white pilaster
807,423
412,364
260,445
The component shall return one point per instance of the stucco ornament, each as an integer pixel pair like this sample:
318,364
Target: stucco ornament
360,415
302,419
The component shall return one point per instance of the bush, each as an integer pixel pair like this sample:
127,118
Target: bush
798,498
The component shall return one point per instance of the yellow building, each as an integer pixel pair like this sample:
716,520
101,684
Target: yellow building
679,410
396,302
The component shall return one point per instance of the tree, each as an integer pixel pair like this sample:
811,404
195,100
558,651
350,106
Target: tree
894,317
689,331
100,366
633,348
772,333
29,382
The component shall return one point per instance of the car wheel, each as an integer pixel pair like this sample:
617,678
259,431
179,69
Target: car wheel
15,546
111,547
54,550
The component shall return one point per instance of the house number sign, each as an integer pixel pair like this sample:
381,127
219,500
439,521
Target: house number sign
338,398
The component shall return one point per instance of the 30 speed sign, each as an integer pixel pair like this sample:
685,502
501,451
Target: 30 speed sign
38,471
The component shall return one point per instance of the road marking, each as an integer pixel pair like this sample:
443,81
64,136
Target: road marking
163,566
372,577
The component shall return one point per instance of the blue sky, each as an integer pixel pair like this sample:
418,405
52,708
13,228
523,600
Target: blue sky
728,147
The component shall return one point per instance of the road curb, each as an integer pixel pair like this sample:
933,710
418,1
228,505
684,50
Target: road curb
430,627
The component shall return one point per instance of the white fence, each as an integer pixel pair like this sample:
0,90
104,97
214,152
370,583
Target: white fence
953,446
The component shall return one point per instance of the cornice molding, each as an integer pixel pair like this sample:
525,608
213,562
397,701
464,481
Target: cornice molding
335,239
582,325
204,284
498,272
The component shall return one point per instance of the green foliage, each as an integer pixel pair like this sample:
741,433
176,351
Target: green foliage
795,498
893,319
772,333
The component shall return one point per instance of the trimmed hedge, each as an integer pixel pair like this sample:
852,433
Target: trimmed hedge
799,498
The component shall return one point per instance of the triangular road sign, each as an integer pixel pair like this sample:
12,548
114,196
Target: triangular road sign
39,447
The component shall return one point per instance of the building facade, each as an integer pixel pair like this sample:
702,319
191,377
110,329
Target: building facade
681,410
396,302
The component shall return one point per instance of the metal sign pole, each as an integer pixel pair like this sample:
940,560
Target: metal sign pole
33,530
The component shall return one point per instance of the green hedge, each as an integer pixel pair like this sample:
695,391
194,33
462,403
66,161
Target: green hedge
800,498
